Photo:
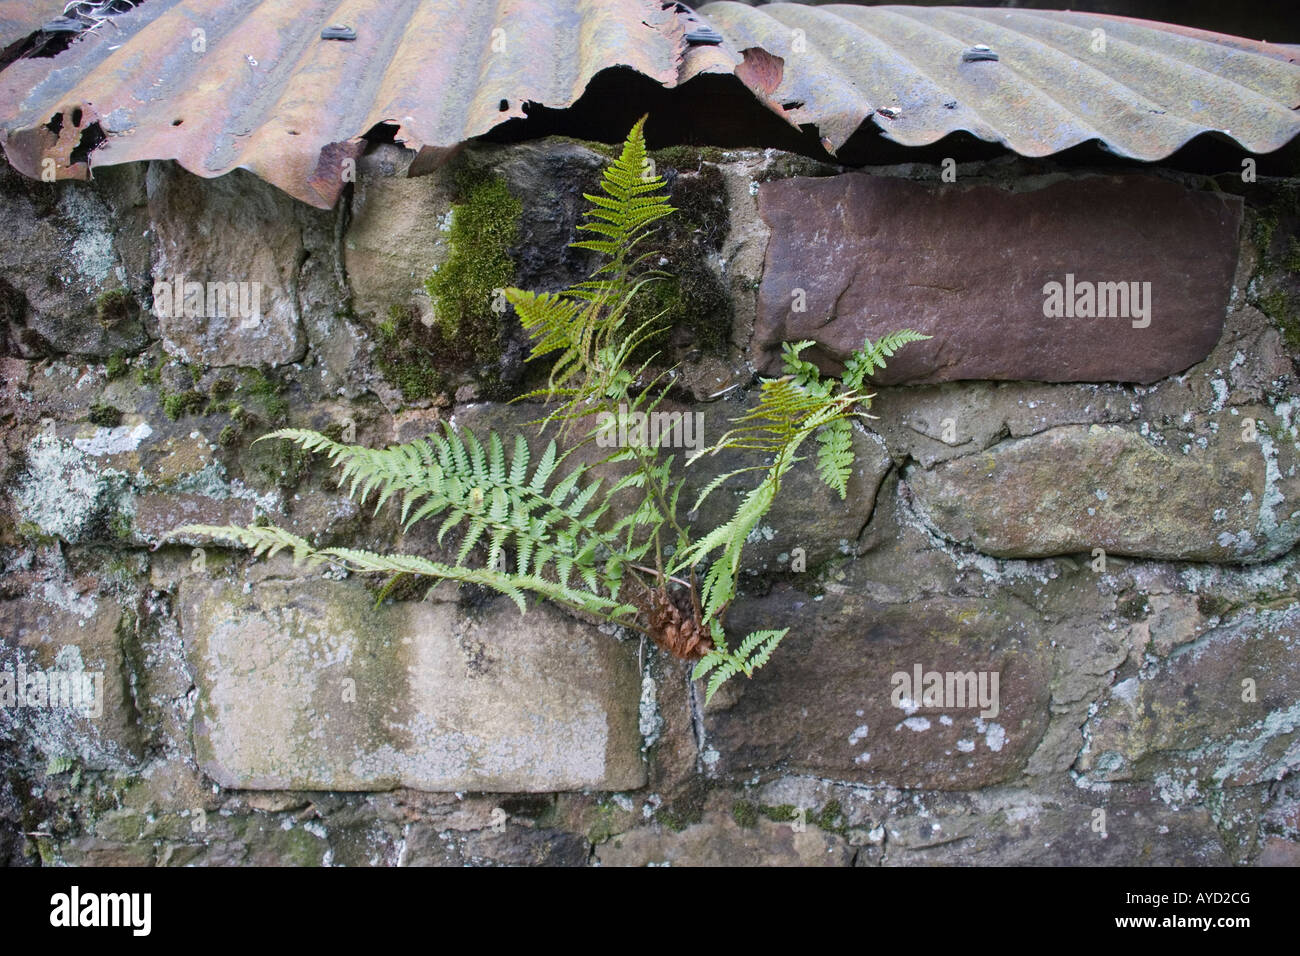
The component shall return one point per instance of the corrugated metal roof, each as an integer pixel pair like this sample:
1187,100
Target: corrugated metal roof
221,84
916,73
264,92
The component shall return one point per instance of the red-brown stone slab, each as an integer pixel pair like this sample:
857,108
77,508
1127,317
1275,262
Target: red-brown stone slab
968,265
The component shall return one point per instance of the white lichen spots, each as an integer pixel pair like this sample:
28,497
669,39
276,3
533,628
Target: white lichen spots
859,734
966,746
1220,395
917,724
945,720
1126,690
648,720
710,757
62,491
995,737
113,441
92,249
60,593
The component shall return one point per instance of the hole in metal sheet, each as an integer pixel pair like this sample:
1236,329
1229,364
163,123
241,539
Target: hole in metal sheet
177,122
503,105
76,116
55,125
92,137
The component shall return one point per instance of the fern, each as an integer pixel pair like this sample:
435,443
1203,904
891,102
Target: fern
545,527
753,652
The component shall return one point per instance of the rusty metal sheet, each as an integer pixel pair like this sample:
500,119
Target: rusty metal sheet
224,84
21,18
1141,88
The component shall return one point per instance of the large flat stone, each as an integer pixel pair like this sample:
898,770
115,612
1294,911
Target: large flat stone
67,631
826,705
1071,489
968,265
229,229
1220,711
443,700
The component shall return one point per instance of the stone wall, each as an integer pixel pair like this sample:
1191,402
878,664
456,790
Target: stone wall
1103,521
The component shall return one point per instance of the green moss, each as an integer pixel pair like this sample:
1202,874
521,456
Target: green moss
267,392
179,404
1211,605
117,366
149,374
280,463
113,306
105,416
745,814
406,352
692,304
830,818
1279,306
686,808
229,435
781,813
119,526
604,825
1134,608
464,290
31,533
685,158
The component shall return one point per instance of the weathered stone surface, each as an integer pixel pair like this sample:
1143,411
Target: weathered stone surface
807,514
64,247
834,709
230,229
397,236
718,840
66,633
443,700
1071,489
968,265
514,846
1227,700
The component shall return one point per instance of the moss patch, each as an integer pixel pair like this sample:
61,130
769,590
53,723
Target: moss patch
464,290
745,814
178,404
105,416
113,307
408,352
691,303
117,367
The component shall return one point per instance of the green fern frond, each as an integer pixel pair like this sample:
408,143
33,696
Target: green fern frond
491,496
262,540
754,651
870,358
835,455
